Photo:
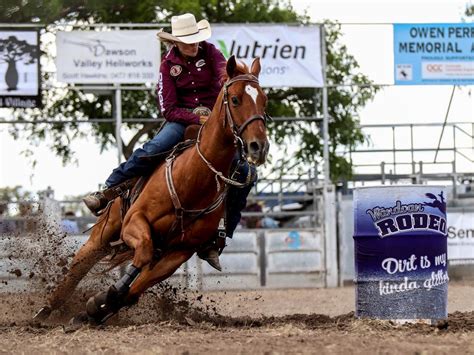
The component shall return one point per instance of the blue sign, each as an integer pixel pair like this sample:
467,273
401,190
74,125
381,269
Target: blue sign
434,54
401,252
294,240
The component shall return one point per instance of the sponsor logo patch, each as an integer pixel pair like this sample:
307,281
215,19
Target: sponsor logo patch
176,70
200,63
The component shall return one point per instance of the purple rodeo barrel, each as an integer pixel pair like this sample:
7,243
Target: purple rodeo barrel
400,248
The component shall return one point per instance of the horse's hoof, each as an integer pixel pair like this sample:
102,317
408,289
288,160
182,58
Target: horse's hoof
42,314
77,322
99,307
96,306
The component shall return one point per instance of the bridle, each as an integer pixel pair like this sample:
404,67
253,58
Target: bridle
236,130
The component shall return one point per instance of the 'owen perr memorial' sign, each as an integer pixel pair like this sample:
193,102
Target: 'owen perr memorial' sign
434,54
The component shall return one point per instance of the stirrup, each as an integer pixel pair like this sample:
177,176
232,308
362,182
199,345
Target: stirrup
105,197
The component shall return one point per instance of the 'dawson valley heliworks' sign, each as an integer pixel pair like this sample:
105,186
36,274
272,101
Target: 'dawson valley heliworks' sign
107,57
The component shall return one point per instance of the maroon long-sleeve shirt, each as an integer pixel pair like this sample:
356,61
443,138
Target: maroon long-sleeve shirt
189,83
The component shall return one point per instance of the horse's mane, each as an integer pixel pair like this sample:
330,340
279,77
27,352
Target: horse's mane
240,69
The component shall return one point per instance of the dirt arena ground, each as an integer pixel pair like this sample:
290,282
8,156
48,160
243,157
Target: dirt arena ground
261,322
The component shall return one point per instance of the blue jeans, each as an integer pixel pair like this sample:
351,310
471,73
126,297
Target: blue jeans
171,134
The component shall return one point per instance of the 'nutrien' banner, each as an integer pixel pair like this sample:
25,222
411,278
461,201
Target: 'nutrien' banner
290,55
401,252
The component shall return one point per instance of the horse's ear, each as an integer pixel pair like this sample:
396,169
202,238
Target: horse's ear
231,65
255,68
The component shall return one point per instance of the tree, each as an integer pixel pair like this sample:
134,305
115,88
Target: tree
469,11
344,103
50,11
12,50
16,196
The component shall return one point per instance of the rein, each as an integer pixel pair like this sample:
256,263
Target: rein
236,131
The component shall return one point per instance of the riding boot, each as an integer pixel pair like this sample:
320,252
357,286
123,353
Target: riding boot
97,201
211,253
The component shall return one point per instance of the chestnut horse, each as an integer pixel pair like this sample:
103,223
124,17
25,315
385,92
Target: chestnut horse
196,180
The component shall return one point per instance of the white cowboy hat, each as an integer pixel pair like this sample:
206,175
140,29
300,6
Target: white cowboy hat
185,29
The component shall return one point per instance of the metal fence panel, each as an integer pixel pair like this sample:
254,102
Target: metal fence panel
294,259
254,259
346,242
240,265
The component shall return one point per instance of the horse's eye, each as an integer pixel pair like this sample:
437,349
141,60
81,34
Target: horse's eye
235,100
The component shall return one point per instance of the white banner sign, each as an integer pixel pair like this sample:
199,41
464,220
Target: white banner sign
460,236
19,68
290,55
107,57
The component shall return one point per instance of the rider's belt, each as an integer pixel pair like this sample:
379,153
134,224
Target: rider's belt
200,110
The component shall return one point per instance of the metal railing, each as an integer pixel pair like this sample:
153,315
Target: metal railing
411,156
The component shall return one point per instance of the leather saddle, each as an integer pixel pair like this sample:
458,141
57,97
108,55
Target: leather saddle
130,195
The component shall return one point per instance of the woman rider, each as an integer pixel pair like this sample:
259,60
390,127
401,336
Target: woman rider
188,86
